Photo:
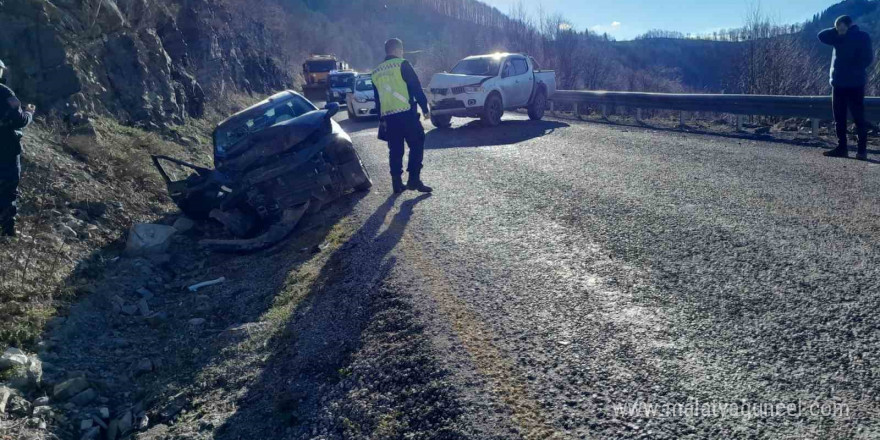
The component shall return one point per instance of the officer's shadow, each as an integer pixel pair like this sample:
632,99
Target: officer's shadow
339,306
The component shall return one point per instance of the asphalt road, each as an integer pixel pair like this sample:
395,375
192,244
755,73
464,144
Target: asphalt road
583,280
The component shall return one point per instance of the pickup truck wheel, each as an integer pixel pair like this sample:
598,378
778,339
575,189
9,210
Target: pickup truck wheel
539,105
492,111
442,121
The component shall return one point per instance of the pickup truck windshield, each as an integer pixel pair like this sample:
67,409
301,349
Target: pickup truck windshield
364,85
478,66
249,123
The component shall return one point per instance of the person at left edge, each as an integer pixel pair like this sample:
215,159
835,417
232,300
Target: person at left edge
13,118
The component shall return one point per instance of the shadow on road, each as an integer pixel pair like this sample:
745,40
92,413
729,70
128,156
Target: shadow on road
474,134
309,354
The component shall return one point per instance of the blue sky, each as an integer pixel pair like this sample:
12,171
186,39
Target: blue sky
625,19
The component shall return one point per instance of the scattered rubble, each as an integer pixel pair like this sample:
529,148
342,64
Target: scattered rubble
196,287
69,388
146,239
13,357
184,224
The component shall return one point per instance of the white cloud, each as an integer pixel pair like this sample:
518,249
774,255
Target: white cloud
564,26
602,28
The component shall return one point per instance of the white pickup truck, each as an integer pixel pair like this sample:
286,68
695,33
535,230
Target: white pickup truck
483,86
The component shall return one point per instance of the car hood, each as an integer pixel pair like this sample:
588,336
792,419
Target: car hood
263,146
447,80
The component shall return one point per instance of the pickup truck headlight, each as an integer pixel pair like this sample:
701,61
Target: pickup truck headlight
360,99
476,88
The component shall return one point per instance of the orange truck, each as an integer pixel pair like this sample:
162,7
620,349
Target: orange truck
317,68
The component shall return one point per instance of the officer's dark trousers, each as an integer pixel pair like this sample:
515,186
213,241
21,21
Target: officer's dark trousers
10,173
852,99
400,128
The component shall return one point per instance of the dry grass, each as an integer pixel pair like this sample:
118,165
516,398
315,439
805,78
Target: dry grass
79,194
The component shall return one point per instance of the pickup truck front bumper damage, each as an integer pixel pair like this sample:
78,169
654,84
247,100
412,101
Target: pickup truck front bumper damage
457,106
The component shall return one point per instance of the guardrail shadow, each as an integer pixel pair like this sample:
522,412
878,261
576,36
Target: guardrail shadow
475,134
812,142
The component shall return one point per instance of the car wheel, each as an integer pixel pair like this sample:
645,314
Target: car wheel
442,121
367,183
351,114
539,105
493,110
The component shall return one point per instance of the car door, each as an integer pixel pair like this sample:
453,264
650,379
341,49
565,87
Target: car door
523,82
507,83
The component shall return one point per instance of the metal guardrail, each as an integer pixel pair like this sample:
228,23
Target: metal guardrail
813,107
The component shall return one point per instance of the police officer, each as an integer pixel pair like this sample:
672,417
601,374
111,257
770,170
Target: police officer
12,119
397,90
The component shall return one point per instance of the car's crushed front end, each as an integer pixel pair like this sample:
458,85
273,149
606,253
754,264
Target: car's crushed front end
265,180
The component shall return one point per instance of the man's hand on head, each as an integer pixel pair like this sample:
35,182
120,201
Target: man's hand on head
30,108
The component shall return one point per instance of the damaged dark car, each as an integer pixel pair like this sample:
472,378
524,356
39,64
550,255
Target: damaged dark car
273,163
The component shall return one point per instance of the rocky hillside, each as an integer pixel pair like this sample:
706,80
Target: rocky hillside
142,61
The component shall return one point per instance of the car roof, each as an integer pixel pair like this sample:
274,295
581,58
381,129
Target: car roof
493,55
287,94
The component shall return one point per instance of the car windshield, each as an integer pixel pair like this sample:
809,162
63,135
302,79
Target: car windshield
341,80
247,124
487,66
321,66
364,85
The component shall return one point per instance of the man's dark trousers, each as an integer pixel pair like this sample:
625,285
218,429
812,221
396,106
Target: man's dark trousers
852,99
400,128
10,173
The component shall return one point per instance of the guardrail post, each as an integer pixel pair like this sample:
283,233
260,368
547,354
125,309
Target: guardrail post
815,127
681,119
739,122
577,114
604,111
638,115
552,112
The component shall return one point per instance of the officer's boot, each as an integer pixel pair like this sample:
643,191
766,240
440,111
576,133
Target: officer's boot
415,183
841,151
862,154
397,184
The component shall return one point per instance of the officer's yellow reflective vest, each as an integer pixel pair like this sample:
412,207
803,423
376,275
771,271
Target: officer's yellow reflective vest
393,94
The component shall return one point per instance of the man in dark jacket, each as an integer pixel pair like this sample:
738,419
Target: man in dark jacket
398,92
12,119
852,56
